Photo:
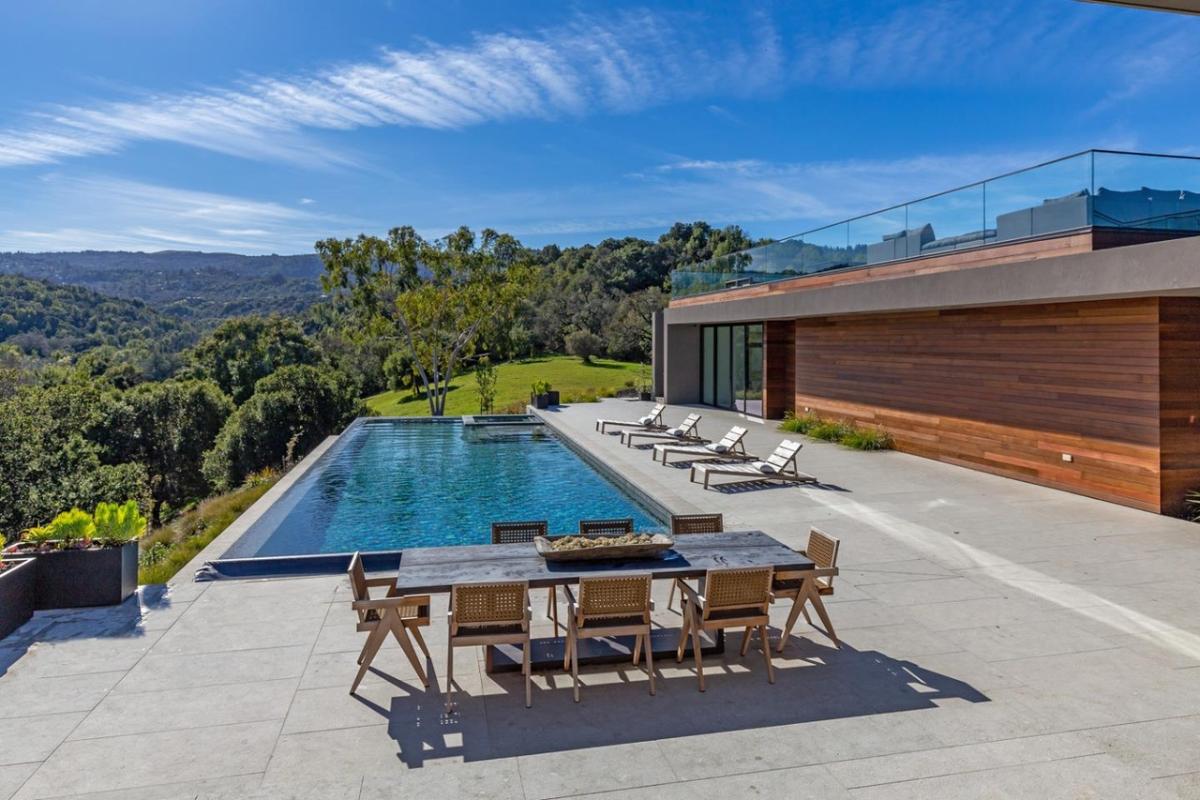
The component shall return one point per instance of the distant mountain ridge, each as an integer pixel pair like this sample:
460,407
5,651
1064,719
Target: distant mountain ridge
204,288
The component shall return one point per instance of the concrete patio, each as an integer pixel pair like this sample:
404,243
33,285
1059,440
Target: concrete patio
999,640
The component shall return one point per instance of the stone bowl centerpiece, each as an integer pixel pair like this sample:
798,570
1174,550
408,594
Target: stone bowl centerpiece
578,547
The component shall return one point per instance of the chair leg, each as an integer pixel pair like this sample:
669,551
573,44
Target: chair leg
370,648
527,668
683,629
707,475
671,596
449,676
567,649
415,630
696,649
766,649
575,665
650,660
746,634
637,649
819,605
397,629
793,615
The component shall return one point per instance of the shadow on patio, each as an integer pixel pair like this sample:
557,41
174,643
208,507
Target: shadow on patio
813,683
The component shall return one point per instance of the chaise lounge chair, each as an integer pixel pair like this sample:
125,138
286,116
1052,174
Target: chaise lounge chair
651,422
685,432
780,466
730,446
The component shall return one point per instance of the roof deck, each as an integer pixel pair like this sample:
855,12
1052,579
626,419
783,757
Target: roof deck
1102,198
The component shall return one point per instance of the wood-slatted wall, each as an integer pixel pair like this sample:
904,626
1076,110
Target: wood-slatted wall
779,367
1179,399
1011,389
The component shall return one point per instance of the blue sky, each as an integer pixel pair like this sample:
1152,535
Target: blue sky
259,127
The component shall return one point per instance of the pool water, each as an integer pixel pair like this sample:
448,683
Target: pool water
388,485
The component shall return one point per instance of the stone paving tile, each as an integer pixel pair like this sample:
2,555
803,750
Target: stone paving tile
157,672
1097,776
24,696
1027,639
934,763
195,637
120,763
34,738
623,766
802,783
197,707
331,789
12,776
1141,744
941,590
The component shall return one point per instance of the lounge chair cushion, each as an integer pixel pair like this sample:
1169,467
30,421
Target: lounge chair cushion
717,447
764,467
675,431
646,420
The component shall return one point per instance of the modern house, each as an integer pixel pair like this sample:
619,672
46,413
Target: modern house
1043,325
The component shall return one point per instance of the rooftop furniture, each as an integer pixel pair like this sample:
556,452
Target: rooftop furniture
779,466
730,446
485,614
605,527
396,615
808,586
524,532
651,422
437,569
901,244
733,598
607,607
686,431
687,524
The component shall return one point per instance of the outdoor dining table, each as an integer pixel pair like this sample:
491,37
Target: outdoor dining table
434,570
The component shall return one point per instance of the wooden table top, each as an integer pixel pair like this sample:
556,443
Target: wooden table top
427,570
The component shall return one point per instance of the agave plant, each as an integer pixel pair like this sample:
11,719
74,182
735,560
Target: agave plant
65,529
119,523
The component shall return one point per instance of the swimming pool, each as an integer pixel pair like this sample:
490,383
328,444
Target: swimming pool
388,484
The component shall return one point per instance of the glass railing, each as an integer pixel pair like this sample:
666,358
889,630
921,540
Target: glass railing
1096,188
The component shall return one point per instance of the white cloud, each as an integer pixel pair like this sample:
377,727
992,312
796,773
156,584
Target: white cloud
112,213
614,63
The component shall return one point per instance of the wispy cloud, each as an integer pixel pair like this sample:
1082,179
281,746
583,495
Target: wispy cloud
112,213
613,64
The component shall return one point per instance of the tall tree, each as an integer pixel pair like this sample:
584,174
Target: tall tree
431,298
167,427
240,351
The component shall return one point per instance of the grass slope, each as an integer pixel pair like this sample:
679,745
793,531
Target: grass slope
574,380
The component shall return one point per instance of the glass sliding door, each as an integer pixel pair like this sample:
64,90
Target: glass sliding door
724,367
731,367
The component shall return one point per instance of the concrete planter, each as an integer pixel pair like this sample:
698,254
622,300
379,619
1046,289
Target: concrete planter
17,587
102,576
540,400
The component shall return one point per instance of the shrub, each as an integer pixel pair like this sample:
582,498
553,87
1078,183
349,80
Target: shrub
845,433
119,523
867,439
794,424
68,527
1193,501
828,431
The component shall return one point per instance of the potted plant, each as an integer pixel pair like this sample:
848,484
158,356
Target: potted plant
542,395
16,591
86,559
645,388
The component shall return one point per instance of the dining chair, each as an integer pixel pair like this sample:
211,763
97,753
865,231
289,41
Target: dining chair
398,616
524,532
483,614
684,524
733,598
605,527
618,606
809,586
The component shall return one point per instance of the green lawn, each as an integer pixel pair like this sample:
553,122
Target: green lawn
574,380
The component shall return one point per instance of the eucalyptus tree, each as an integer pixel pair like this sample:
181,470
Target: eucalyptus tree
431,298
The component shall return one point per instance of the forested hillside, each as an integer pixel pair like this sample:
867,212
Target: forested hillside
41,318
203,288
